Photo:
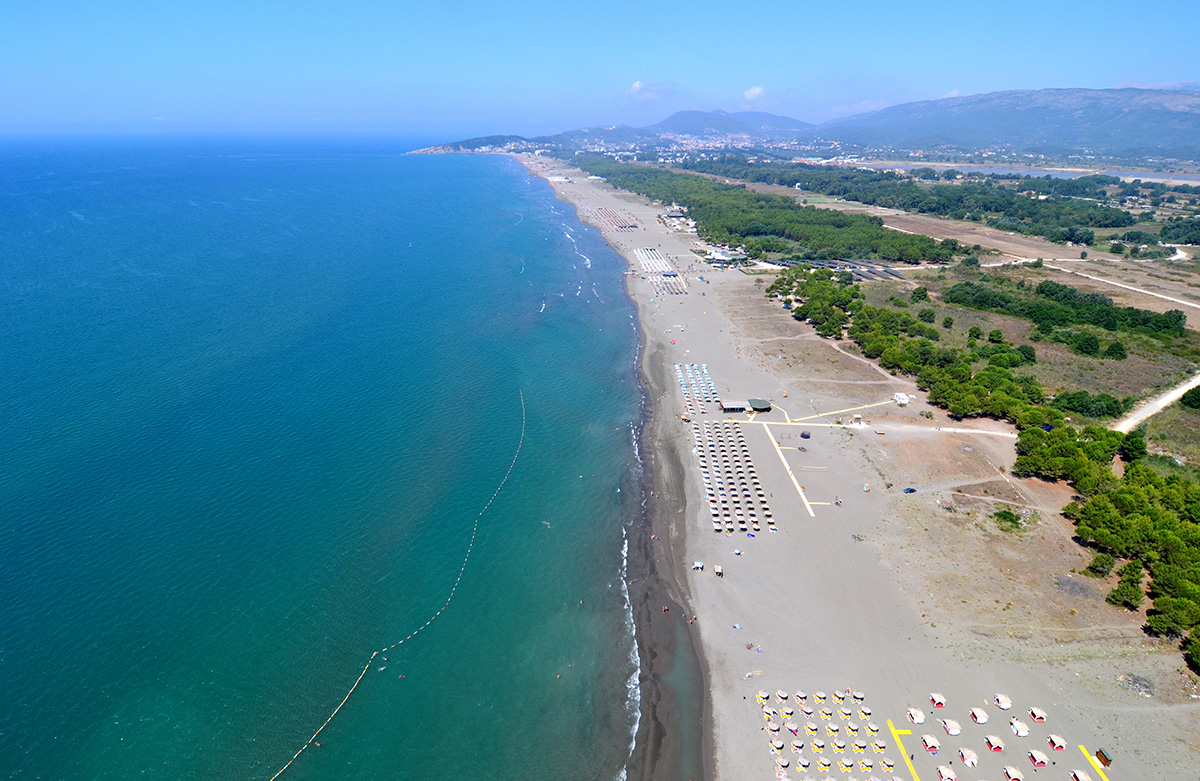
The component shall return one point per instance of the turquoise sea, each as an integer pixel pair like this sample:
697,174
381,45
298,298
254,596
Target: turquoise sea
253,397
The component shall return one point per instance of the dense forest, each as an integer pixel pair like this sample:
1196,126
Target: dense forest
1152,521
1062,216
731,214
1181,232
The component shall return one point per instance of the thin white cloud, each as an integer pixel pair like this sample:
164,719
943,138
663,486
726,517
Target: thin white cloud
754,93
647,91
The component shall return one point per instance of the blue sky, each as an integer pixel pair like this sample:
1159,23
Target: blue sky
463,68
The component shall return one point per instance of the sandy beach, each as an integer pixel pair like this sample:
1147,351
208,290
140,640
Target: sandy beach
863,587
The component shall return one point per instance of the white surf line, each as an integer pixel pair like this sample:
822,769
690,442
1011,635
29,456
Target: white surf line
1126,287
767,428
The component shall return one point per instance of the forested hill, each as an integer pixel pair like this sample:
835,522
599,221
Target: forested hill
1118,122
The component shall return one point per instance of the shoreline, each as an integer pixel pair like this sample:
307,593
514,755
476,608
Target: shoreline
895,594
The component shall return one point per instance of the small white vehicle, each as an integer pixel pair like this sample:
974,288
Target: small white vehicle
916,715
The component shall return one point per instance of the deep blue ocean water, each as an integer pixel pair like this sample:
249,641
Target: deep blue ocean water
252,400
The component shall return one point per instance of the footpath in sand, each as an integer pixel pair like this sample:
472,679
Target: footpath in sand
896,596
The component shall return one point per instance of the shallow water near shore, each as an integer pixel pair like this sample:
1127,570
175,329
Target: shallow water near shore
254,402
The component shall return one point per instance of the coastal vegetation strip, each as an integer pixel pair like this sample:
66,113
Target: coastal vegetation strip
1153,520
1061,210
762,224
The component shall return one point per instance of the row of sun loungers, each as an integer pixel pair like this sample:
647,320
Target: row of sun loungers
652,260
731,485
618,222
664,285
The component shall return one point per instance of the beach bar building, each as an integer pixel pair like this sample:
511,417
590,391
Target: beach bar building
734,405
759,405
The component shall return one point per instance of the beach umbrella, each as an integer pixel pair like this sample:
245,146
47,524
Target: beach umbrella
802,762
777,746
878,746
1037,714
979,716
851,728
951,726
839,746
864,712
860,746
944,773
1038,759
817,746
763,696
887,764
1002,701
1019,728
931,743
866,765
916,715
832,729
799,696
826,713
792,728
937,700
824,763
810,728
843,713
819,697
807,711
839,695
797,746
994,743
772,726
1056,742
872,728
969,757
1012,774
781,761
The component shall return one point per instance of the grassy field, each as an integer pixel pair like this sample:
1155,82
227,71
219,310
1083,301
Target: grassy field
1175,431
1150,366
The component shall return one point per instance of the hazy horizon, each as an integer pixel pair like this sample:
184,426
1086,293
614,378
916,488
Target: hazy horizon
530,69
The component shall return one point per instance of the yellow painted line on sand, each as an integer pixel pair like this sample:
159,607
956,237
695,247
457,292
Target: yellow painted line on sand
896,733
791,474
848,409
1094,762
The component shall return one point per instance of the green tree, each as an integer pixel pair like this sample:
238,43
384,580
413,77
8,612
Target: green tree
1133,447
1116,350
920,294
926,315
1191,399
1102,564
970,261
1086,344
1191,649
947,322
1173,616
1037,263
1083,255
1028,354
996,336
1127,595
975,333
